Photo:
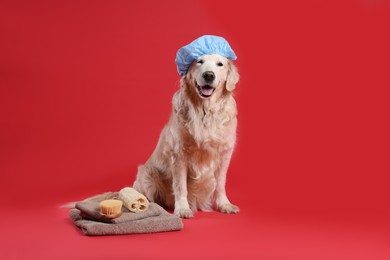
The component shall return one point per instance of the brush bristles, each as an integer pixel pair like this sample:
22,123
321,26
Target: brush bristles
111,208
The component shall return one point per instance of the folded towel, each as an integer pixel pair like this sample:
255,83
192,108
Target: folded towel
87,217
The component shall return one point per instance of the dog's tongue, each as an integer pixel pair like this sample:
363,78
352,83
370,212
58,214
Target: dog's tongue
206,90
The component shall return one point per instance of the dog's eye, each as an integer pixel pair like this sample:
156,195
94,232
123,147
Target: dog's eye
219,64
200,62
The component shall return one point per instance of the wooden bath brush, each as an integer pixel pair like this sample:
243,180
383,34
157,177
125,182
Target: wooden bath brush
111,208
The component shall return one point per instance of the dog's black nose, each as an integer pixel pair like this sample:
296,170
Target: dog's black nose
208,76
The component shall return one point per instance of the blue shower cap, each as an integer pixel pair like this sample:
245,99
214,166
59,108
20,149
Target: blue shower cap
207,44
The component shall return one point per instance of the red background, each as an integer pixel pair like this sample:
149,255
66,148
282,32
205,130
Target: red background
86,87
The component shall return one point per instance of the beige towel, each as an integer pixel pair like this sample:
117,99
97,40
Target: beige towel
87,217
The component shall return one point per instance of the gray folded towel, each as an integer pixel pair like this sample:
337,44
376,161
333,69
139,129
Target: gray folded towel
87,217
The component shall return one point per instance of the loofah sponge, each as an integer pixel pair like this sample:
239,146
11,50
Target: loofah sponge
133,200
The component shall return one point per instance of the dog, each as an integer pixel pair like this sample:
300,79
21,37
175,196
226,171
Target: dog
187,170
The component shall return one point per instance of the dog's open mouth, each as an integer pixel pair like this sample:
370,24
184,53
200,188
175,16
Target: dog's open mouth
206,90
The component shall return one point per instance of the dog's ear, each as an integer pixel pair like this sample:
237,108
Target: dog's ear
183,81
186,79
232,77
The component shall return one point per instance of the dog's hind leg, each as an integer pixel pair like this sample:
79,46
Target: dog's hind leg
144,183
150,183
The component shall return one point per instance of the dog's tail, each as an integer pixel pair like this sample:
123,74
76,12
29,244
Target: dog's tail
69,205
97,198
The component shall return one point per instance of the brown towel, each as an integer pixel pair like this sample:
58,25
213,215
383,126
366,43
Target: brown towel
87,217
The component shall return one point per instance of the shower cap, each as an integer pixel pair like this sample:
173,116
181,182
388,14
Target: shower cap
207,44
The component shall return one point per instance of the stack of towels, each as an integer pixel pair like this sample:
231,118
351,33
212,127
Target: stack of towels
87,217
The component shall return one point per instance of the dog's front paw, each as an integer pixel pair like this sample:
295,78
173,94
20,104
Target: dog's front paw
184,212
228,208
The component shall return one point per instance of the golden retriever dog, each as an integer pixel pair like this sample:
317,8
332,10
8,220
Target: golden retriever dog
187,170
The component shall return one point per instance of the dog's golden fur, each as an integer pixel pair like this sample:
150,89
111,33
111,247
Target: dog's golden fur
187,170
